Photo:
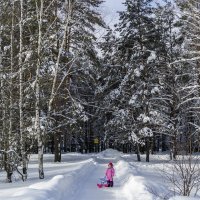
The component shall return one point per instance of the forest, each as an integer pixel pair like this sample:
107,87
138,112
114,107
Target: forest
65,88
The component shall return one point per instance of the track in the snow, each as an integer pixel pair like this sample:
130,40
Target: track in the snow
90,191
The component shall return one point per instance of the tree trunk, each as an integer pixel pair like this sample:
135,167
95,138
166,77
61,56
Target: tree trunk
21,99
147,149
11,79
57,153
66,30
8,168
138,153
3,113
55,85
4,145
37,93
174,147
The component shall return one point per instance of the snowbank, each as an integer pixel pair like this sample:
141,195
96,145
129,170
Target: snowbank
58,188
135,189
123,170
183,198
109,154
132,186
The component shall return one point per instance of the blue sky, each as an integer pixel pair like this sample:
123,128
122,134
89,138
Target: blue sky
114,4
109,13
109,10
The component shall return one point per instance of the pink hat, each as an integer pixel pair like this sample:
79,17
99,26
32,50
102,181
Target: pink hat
110,164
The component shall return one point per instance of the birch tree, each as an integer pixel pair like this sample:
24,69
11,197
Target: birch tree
21,95
39,10
11,72
75,43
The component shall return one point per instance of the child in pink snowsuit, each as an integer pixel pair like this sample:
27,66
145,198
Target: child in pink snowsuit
110,172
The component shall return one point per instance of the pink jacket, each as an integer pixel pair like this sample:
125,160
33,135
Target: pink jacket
110,172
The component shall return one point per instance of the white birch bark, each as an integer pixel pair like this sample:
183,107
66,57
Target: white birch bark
8,143
3,142
4,145
37,92
55,86
69,7
11,72
69,4
2,92
22,136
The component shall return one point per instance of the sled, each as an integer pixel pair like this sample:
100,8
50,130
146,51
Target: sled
103,183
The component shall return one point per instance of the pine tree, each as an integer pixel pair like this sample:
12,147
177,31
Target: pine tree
190,64
136,50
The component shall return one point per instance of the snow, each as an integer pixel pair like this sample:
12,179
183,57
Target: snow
134,137
141,67
143,118
183,198
146,132
152,57
77,175
120,113
27,55
133,99
114,94
155,90
137,72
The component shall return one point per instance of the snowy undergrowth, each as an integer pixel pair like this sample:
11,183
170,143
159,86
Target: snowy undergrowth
148,178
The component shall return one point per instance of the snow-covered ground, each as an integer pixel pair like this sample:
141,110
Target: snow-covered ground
75,178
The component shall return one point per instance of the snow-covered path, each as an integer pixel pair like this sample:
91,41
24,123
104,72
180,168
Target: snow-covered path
90,191
76,178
